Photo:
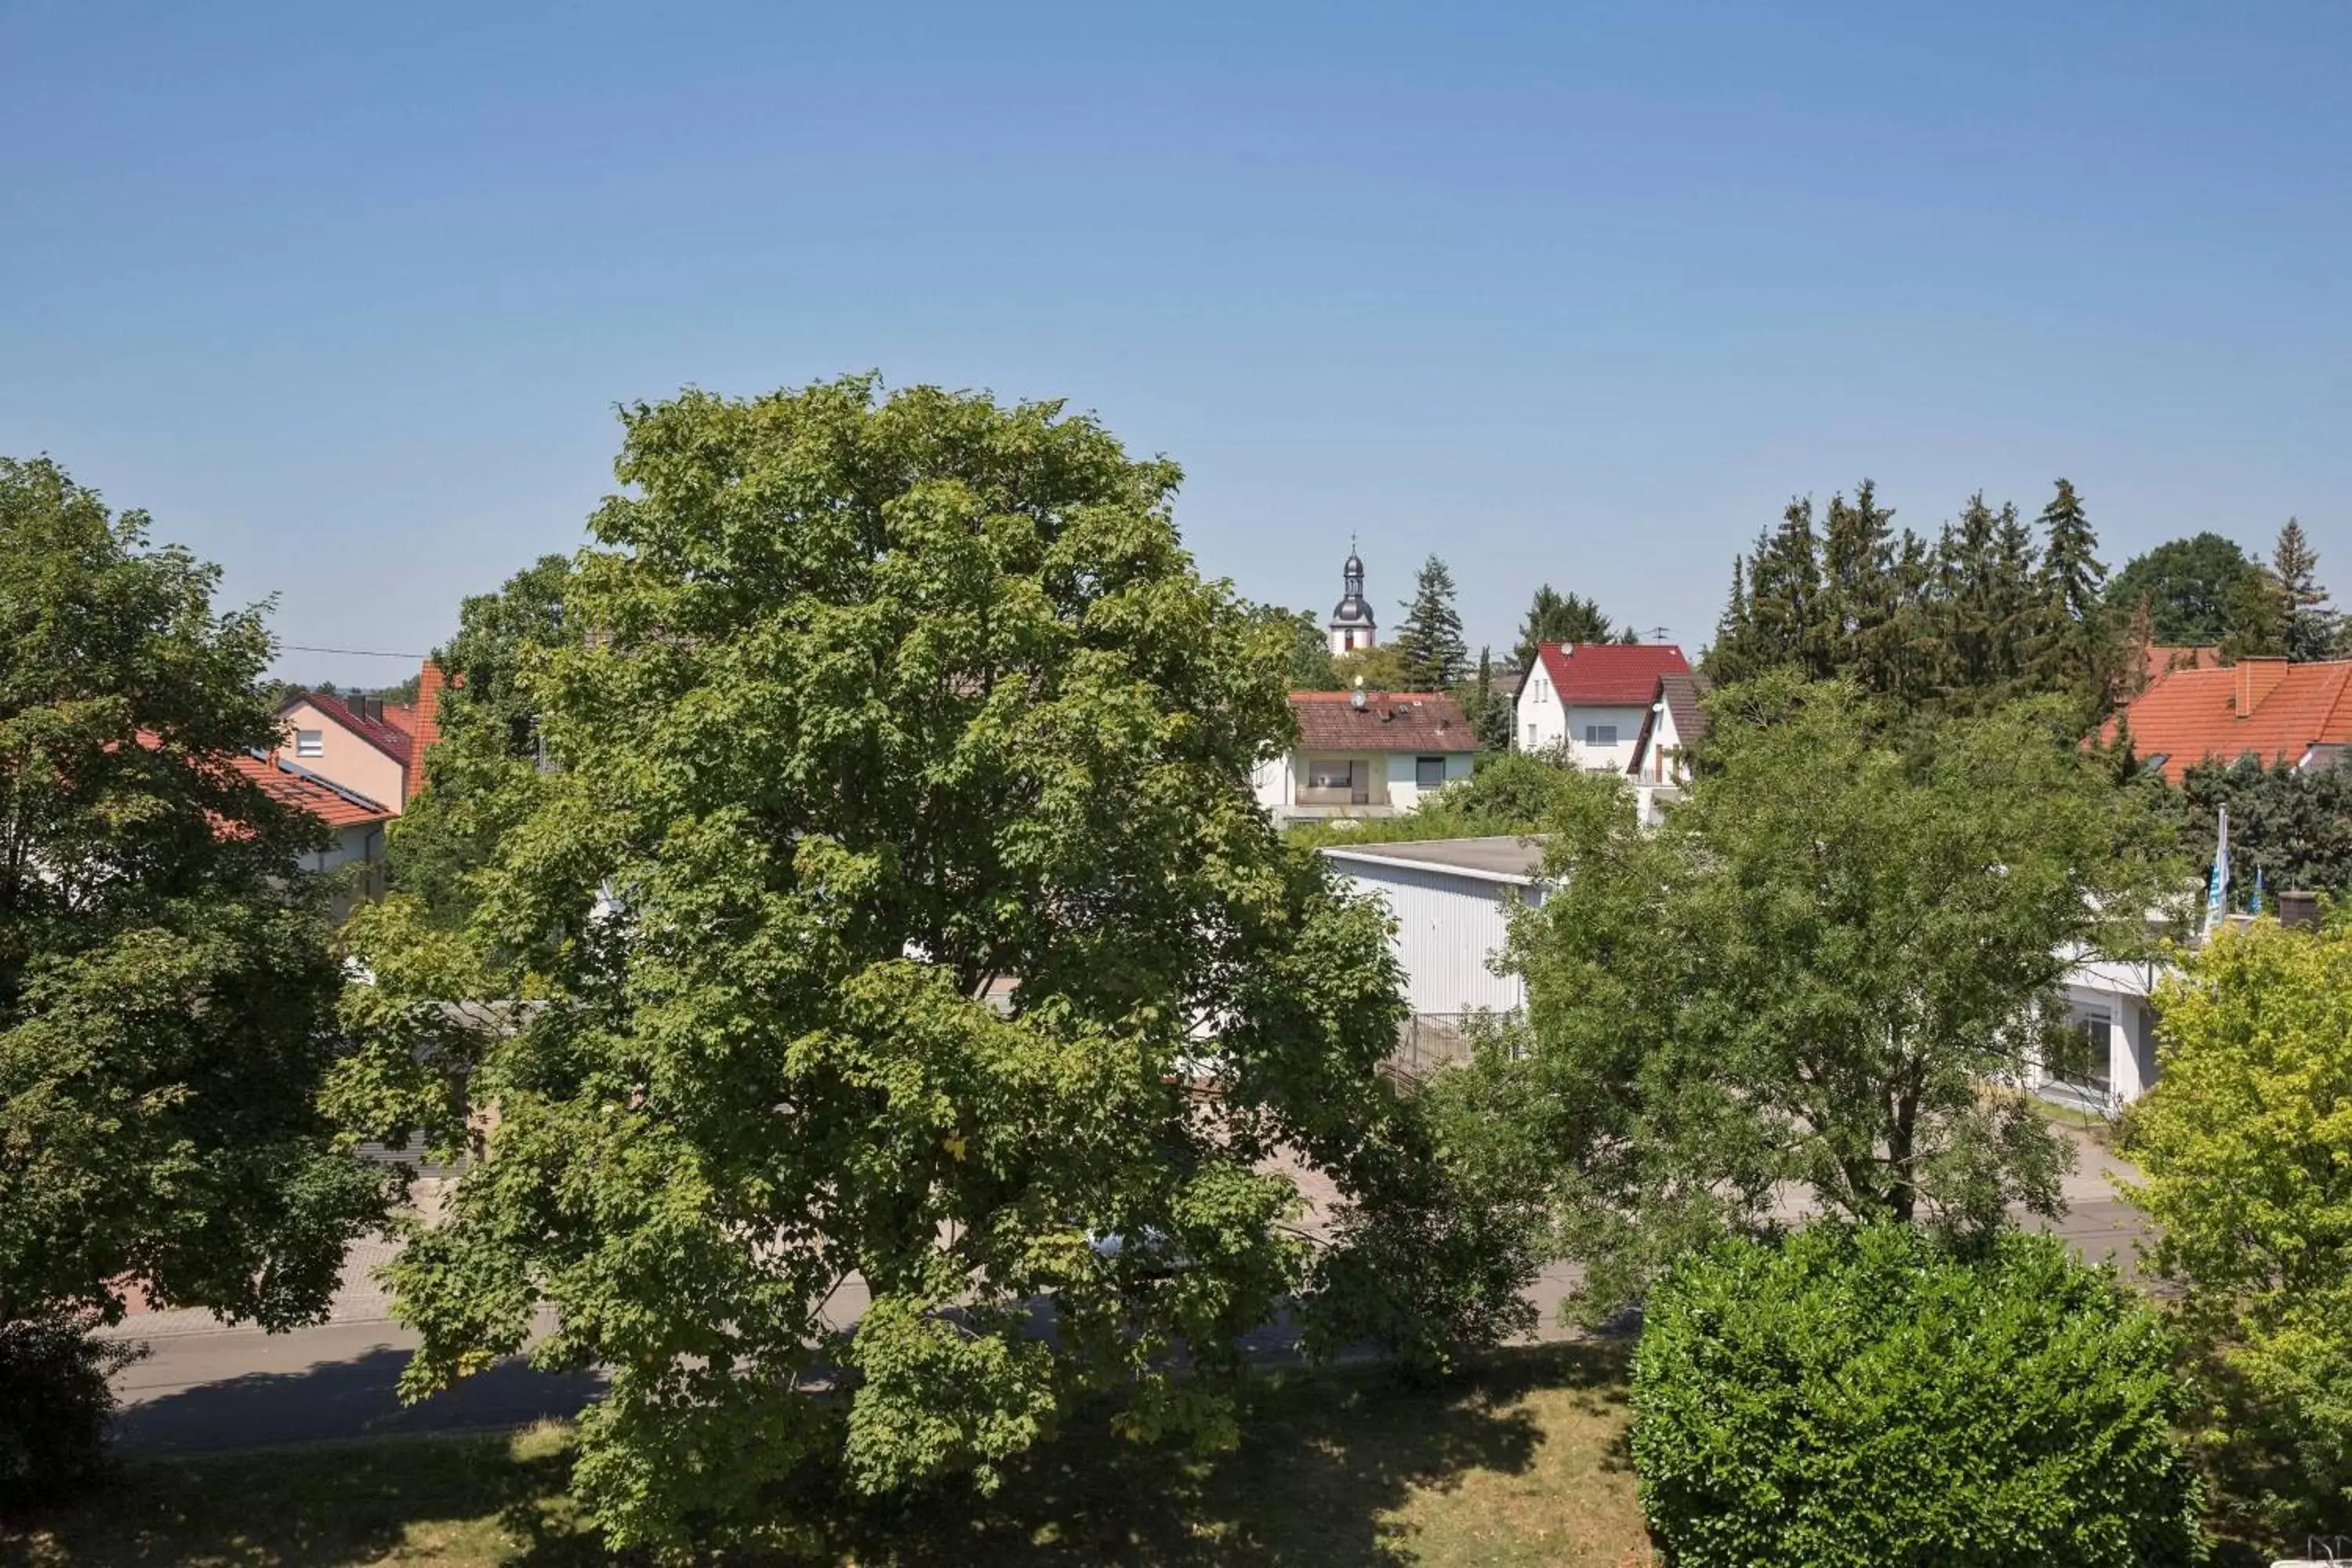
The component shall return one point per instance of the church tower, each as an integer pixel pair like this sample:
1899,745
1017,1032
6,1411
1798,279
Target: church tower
1351,621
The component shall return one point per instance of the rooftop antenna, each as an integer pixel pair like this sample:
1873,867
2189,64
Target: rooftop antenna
1660,634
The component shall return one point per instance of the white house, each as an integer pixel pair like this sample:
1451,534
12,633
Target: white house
1674,722
1452,900
1366,753
1590,700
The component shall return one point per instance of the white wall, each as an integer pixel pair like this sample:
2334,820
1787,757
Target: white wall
1447,927
1403,774
1270,781
1538,725
1615,758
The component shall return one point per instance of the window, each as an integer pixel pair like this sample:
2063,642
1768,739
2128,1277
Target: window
309,742
1600,734
1429,773
2083,1056
1331,774
1531,737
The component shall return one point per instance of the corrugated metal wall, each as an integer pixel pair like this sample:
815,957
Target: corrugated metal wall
1447,927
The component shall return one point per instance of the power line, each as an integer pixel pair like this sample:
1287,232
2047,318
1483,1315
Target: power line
351,652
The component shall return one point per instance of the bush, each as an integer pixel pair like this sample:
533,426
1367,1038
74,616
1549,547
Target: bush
1868,1397
55,1402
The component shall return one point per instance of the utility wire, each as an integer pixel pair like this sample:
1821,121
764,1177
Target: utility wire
353,652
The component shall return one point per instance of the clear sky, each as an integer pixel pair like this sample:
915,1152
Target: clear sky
345,295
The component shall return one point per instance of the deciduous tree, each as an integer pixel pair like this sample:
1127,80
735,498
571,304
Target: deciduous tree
166,982
2186,585
896,900
1809,975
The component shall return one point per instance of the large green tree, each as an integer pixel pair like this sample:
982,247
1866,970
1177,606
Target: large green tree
166,982
1804,979
2187,584
1308,665
2313,629
479,775
1429,638
2246,1143
2292,825
1555,616
895,920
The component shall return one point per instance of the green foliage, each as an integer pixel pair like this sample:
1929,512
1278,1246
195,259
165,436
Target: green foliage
1976,618
1553,616
1428,643
897,863
1308,665
1850,1398
1489,707
2186,585
1380,668
1805,976
480,775
56,1401
1509,792
2312,629
2292,825
2246,1144
166,986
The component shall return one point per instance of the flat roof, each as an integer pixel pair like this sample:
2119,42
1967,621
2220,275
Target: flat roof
1499,858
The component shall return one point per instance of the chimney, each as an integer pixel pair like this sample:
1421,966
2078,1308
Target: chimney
429,682
2299,910
2257,678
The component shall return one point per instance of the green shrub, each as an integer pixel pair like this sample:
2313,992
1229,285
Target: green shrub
1865,1397
55,1402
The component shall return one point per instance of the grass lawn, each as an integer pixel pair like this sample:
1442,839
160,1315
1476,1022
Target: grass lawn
1520,1463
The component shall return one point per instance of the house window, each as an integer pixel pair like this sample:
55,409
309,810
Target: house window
2083,1056
1429,773
309,742
1331,774
1531,737
1600,734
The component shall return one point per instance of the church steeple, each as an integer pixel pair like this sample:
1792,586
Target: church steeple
1352,620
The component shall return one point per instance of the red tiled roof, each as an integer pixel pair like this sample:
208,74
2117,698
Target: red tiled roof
1609,674
1388,722
2264,708
385,736
2163,658
292,785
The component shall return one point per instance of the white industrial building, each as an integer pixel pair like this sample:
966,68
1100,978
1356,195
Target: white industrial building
1452,900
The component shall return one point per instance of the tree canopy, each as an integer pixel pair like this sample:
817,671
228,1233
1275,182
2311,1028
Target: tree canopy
1554,617
166,982
895,877
1806,975
2246,1144
2187,584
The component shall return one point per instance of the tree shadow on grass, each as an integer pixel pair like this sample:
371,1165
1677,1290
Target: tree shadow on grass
1324,1462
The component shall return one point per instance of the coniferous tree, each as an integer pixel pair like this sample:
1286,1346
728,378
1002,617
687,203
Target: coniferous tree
1857,558
2311,627
1785,608
1429,642
1554,617
2076,652
1490,707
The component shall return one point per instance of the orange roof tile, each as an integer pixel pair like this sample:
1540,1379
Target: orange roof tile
2263,708
1388,722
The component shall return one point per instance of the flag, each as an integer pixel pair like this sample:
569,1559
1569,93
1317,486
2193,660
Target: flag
2216,889
2254,902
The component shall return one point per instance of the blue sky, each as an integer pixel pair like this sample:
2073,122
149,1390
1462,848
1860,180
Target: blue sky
345,295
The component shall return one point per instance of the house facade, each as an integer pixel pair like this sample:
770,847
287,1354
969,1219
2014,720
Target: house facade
1660,767
1366,753
372,748
355,821
1590,701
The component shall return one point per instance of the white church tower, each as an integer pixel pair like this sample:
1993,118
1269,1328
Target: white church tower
1351,621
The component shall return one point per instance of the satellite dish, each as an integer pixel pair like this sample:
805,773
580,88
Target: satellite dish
1355,698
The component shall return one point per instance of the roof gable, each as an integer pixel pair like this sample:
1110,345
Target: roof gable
385,736
1608,674
2261,708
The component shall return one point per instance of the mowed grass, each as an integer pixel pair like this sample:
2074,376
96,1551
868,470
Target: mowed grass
1520,1461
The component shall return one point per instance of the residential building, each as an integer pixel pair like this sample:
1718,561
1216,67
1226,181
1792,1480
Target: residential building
1366,753
356,822
1674,724
373,747
1452,900
1589,700
1351,624
2262,707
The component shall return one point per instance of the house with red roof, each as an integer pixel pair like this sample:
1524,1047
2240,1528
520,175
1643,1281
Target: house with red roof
366,745
1366,753
356,821
1590,700
2262,707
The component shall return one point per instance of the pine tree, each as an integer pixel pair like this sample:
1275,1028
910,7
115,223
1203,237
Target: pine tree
1554,617
1490,708
2074,652
1785,606
1858,608
2311,627
1429,642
